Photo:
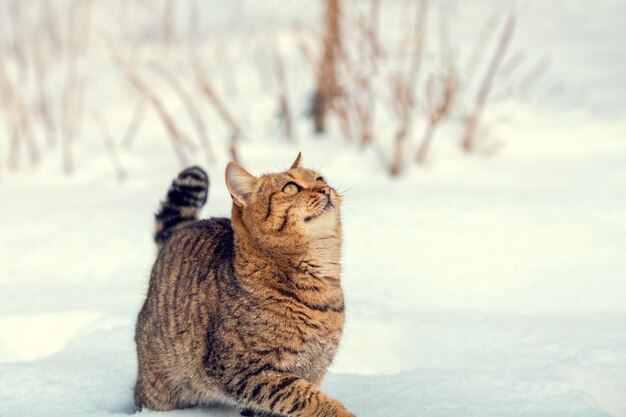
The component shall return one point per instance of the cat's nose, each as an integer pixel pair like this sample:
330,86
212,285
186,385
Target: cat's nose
325,190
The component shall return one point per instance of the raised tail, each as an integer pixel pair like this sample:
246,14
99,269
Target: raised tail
185,198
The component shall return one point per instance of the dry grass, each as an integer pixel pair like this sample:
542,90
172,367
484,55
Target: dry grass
44,106
403,106
110,148
283,95
192,110
218,105
468,142
327,85
139,113
439,102
403,86
360,77
18,121
177,138
390,99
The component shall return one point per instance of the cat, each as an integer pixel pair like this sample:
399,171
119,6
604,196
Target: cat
246,311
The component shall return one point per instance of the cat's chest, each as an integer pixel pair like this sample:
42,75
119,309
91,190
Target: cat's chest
312,362
309,326
307,351
305,333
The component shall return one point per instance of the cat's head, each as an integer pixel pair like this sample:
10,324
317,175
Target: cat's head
284,208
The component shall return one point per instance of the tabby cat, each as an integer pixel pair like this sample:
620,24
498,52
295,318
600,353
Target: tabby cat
245,311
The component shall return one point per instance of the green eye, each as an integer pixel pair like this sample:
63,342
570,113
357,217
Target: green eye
291,189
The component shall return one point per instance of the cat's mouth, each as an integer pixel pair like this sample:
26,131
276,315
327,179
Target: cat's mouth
327,207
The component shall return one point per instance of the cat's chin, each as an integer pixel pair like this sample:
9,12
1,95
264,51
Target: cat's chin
324,220
329,207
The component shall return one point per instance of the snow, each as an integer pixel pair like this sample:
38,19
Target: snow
475,286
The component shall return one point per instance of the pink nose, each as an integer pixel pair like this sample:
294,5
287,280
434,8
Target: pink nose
325,189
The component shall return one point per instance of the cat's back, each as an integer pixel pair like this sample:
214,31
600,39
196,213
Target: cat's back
183,297
185,272
196,247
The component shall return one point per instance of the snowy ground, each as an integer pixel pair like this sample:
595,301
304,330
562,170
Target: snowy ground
475,286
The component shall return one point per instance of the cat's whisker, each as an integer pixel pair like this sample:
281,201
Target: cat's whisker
347,207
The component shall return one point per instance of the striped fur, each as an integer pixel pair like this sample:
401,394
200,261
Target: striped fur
185,197
246,311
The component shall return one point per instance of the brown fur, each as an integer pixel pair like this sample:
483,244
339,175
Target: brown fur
248,311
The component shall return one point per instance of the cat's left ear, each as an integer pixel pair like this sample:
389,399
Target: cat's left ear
240,184
297,162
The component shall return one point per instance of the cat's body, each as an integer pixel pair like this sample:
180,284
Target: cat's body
247,312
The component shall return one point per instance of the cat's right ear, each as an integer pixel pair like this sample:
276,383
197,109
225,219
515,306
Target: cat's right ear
240,183
297,162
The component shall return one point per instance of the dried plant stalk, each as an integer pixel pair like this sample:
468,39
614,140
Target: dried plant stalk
327,87
14,147
72,101
167,26
368,28
305,51
18,118
209,92
359,101
478,49
373,30
109,147
194,17
343,113
135,123
363,105
355,101
191,108
177,137
534,76
233,145
403,106
418,42
51,29
283,95
17,43
71,115
213,99
44,109
437,112
402,88
468,140
67,133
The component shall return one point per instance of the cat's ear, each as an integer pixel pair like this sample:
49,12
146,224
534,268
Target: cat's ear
297,162
240,183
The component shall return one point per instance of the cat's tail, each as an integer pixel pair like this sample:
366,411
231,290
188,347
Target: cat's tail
185,198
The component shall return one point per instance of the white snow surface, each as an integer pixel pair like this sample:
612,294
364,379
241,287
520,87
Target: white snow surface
474,286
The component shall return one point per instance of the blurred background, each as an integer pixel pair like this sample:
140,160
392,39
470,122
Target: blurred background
481,146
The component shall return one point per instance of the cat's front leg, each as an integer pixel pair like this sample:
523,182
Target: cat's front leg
248,412
273,391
